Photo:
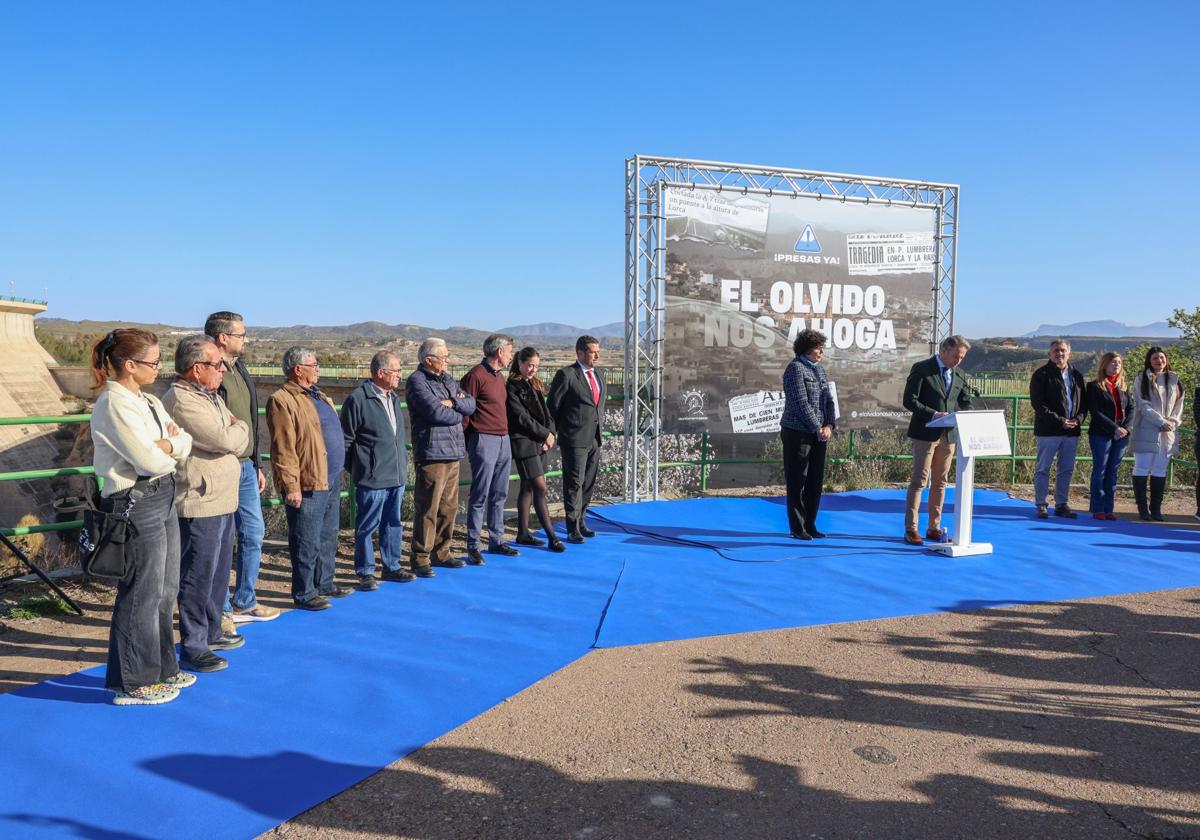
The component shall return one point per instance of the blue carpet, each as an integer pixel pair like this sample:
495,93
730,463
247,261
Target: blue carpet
317,702
735,568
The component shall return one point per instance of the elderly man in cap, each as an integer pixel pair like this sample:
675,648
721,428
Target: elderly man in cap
206,495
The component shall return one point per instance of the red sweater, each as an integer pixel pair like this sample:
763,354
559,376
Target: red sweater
490,391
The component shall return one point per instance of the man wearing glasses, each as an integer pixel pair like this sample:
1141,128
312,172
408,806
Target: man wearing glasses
437,405
228,331
307,455
373,427
206,492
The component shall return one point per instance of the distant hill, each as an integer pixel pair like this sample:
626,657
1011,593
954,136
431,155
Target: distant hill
1105,329
552,329
549,334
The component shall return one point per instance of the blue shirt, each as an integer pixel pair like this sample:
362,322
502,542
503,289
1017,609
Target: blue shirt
1066,377
335,444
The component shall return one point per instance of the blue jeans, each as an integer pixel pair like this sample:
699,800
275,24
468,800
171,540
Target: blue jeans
1106,460
250,532
1062,447
377,510
312,543
491,459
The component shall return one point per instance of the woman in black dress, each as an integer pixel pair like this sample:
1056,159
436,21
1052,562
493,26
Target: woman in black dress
531,429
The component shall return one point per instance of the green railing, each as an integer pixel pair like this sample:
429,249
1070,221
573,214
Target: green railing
611,376
15,299
705,462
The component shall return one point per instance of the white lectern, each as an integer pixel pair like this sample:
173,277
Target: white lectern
979,433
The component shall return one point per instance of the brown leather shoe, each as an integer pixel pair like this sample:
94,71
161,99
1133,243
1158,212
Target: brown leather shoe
913,538
934,534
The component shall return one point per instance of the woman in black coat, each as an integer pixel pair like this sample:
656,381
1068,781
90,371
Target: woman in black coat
531,430
1111,406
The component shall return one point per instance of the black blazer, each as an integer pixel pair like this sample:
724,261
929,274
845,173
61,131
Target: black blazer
1049,398
529,420
925,394
1104,411
576,417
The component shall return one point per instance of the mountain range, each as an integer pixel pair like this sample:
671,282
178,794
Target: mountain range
549,332
1106,329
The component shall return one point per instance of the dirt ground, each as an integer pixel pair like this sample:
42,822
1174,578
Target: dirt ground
1064,720
1076,720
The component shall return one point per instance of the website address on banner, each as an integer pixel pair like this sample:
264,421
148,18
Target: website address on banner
889,414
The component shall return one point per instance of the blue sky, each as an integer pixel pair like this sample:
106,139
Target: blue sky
331,162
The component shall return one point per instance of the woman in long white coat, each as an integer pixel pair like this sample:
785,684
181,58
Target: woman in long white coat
1158,412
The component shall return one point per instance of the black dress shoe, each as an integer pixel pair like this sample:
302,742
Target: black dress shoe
474,557
423,571
397,576
556,545
529,539
574,537
586,531
338,592
813,532
801,535
205,663
506,550
228,641
453,562
317,603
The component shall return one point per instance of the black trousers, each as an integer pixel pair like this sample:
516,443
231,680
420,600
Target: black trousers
579,465
804,470
141,641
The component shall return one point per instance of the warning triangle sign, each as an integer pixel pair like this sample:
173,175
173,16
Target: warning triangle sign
807,243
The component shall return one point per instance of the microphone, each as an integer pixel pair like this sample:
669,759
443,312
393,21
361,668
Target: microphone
975,392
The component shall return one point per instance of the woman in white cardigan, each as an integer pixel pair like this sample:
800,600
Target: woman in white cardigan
137,447
1157,414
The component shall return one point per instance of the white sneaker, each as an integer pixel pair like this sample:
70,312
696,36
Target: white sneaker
147,695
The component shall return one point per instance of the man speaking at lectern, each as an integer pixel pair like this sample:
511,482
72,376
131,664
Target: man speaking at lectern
935,387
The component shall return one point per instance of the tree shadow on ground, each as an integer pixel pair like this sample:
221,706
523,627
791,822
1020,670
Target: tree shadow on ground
456,792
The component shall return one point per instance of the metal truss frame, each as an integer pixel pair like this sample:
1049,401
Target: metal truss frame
645,270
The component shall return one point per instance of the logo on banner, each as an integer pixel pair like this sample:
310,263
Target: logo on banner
808,242
692,404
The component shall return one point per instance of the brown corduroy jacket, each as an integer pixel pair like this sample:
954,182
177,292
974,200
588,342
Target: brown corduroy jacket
298,457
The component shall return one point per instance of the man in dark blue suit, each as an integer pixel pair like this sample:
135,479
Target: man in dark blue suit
576,401
935,387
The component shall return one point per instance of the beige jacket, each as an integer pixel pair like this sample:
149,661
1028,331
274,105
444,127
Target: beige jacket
298,456
206,484
124,428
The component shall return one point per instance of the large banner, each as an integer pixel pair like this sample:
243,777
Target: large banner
746,273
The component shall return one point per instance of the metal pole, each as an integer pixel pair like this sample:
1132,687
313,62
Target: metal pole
1012,462
704,461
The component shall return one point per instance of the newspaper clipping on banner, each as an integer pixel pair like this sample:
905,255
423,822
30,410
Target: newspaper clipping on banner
746,273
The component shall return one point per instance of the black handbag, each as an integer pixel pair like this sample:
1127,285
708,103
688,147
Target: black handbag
104,534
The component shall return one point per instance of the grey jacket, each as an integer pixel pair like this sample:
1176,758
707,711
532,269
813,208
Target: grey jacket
437,431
